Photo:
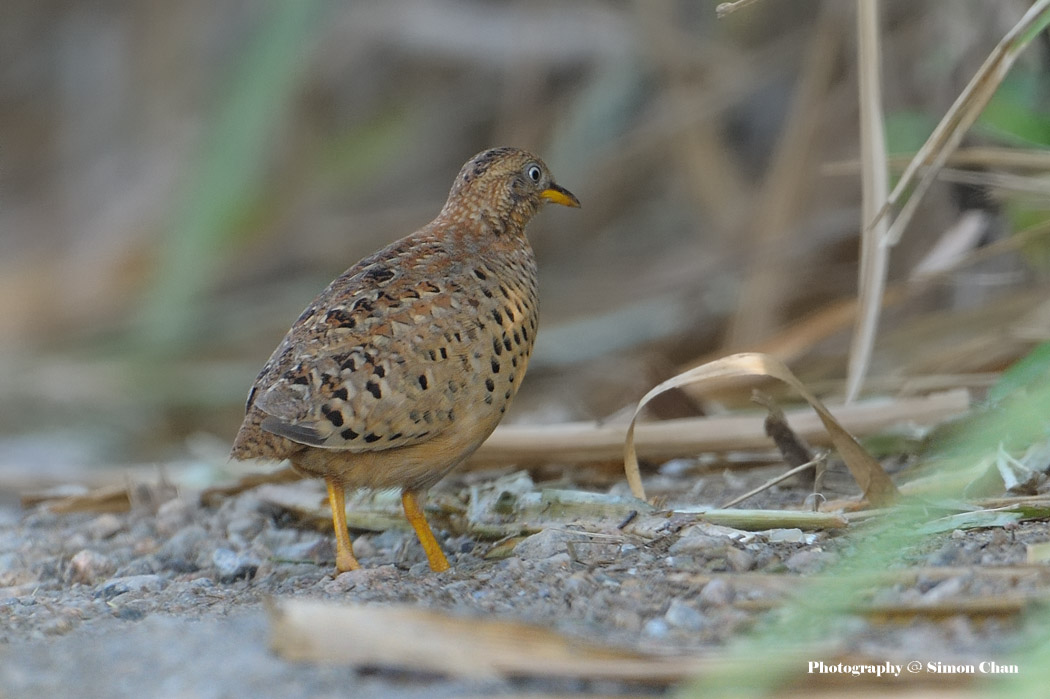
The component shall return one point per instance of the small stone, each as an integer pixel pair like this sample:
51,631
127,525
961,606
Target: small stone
808,561
698,543
362,577
104,526
364,548
716,593
231,566
787,536
657,627
88,567
13,570
180,553
684,616
173,515
545,544
244,528
739,561
135,584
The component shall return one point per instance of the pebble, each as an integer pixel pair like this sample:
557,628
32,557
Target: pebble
545,544
231,566
787,536
104,526
362,577
134,584
698,543
684,616
243,528
717,593
657,627
807,561
88,567
13,570
739,561
173,515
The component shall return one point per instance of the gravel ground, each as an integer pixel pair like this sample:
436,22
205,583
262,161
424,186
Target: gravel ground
169,600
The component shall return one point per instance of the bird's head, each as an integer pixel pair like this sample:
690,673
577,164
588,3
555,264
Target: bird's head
505,184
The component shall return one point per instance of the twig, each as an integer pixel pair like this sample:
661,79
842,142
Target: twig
773,481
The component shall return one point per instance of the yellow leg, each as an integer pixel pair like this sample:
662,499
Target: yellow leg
344,550
418,520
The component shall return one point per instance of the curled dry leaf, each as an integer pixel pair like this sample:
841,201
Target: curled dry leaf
867,471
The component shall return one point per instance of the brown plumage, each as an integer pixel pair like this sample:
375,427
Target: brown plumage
403,366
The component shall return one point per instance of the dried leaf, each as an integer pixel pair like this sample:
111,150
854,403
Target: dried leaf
421,640
869,474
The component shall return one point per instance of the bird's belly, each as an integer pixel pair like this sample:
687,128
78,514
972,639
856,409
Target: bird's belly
416,466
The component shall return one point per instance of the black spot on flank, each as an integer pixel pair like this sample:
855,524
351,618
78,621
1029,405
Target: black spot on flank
503,290
497,346
517,338
506,343
423,381
428,417
348,434
413,415
514,362
452,387
380,371
495,366
422,434
370,437
444,353
334,416
480,275
364,305
488,400
451,416
487,292
373,388
301,380
433,355
410,294
497,316
490,385
396,435
341,394
502,409
507,394
429,288
459,338
525,333
379,275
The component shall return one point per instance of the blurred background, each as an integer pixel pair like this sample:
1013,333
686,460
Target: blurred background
178,180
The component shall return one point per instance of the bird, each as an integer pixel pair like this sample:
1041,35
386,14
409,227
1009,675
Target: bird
405,363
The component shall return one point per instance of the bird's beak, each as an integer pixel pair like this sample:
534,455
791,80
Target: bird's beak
560,195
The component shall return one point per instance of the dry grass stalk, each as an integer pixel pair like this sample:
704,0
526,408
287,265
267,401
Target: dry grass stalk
923,169
874,257
588,442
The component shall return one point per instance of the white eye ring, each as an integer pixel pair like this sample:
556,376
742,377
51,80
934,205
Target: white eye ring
534,173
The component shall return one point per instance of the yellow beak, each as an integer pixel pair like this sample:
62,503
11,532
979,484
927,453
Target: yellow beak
560,195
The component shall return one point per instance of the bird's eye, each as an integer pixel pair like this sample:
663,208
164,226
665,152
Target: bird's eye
534,173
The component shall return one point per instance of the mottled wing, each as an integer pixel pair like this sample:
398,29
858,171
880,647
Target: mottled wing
377,361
